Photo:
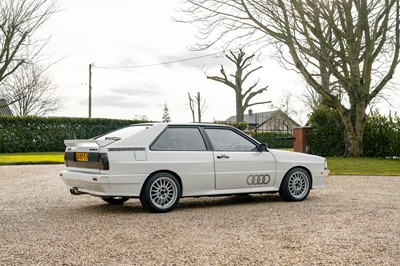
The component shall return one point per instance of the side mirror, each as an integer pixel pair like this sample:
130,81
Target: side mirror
262,147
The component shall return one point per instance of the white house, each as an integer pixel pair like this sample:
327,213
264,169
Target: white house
275,120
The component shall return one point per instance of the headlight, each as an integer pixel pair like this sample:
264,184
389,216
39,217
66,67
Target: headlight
325,165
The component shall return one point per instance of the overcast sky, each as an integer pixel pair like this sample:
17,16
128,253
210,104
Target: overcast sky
126,33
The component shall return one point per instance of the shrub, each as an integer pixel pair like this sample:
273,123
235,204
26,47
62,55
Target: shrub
381,135
326,138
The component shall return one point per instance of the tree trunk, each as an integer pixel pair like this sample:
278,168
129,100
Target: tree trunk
354,121
199,106
353,145
239,108
191,105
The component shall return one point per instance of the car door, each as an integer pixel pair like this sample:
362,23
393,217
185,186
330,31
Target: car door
182,150
238,163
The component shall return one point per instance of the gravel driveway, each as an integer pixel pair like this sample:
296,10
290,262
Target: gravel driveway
355,220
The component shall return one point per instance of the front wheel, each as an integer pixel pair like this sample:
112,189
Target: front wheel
160,193
115,200
296,185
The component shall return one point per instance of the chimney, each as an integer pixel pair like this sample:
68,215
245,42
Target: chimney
250,112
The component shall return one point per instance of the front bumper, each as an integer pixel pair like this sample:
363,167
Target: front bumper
319,179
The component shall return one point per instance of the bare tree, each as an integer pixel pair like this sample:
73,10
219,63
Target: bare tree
311,98
286,105
30,91
19,21
243,95
197,104
192,107
347,51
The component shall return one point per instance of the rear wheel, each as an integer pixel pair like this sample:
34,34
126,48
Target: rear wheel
115,200
296,185
160,193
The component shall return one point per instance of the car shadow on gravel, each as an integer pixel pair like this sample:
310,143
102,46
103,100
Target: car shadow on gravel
221,201
134,206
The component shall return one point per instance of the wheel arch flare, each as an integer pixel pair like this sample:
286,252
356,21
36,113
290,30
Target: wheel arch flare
163,171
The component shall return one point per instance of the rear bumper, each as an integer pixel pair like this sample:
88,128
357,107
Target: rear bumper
98,184
89,183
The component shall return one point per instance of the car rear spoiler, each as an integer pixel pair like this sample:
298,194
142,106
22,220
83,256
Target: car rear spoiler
87,142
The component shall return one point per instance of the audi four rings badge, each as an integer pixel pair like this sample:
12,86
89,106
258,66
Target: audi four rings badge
258,179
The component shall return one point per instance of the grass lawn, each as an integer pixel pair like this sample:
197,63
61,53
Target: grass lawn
364,166
32,158
337,165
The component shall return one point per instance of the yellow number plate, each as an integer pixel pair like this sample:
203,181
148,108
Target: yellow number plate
82,156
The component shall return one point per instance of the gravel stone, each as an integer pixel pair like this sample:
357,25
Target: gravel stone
354,221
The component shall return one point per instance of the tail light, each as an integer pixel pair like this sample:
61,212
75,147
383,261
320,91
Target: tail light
103,161
89,160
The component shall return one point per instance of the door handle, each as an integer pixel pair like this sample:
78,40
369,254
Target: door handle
223,156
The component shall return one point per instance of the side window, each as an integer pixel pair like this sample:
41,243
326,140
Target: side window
228,140
180,139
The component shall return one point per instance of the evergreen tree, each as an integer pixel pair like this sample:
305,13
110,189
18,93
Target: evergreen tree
166,117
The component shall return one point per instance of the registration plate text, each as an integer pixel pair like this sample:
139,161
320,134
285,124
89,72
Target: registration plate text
82,156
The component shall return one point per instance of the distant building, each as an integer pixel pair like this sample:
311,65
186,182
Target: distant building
4,108
268,121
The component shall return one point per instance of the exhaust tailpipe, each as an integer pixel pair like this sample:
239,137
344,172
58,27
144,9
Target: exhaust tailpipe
75,191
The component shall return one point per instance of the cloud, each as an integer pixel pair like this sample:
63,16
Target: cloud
115,101
131,91
194,60
149,58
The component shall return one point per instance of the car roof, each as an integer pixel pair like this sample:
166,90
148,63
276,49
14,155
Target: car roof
186,124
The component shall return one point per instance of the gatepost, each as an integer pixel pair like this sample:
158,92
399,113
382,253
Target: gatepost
300,139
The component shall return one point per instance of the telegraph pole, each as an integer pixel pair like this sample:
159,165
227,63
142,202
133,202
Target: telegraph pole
90,90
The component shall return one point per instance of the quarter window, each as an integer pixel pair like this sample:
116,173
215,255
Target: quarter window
180,139
228,140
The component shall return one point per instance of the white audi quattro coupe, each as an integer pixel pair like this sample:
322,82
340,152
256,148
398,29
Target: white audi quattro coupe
161,162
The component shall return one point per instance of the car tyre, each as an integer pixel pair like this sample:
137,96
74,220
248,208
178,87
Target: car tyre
296,185
115,200
160,193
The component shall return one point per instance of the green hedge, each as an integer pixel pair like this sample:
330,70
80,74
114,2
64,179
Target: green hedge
326,138
47,134
381,136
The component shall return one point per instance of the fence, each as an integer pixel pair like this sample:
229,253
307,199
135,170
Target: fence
272,128
281,140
